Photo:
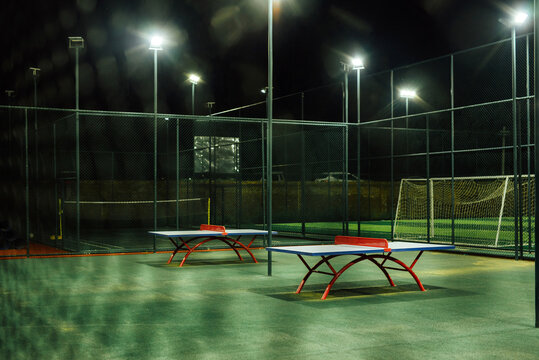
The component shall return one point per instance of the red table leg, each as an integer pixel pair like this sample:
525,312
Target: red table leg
373,258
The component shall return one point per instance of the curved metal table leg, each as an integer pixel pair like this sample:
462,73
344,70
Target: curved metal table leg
404,266
353,262
191,250
324,260
371,258
242,246
179,247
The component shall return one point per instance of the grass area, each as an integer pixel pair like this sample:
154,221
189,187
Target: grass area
478,232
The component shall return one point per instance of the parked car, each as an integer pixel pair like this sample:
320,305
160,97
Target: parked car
335,177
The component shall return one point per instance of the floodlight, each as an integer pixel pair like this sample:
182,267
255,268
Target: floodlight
408,94
76,42
156,43
35,70
357,63
194,78
519,18
264,90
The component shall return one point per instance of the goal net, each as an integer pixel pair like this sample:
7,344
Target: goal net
483,207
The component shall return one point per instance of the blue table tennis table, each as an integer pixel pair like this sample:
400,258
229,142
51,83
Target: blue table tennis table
377,251
184,239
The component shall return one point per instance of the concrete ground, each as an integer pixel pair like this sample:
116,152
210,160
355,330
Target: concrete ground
216,307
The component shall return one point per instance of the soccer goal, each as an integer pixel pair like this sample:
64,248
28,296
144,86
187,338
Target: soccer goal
483,207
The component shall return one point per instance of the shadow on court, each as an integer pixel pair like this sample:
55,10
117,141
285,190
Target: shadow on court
352,293
196,262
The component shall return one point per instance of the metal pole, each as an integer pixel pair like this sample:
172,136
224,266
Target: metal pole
36,142
77,146
27,176
154,145
428,178
270,127
407,143
193,98
177,173
303,176
35,73
359,152
452,151
345,178
391,157
528,142
515,154
536,155
55,170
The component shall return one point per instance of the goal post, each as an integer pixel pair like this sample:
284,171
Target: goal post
484,209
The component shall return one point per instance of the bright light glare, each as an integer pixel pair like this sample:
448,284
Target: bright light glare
357,63
263,91
156,43
519,18
407,93
194,78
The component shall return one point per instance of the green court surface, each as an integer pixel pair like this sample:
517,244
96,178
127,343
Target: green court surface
216,307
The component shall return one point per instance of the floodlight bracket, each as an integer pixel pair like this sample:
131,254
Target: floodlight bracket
346,66
35,70
76,42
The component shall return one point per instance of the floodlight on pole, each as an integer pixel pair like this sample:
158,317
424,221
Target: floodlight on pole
519,18
357,63
77,42
35,74
408,93
193,79
156,43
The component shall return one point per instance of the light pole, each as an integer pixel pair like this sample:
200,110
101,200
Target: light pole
346,69
270,128
407,94
210,105
517,19
357,64
35,74
536,164
155,45
10,94
193,79
77,42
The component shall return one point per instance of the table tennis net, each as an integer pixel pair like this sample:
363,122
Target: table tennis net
137,213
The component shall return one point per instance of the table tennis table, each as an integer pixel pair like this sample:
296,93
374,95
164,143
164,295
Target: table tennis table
377,251
184,239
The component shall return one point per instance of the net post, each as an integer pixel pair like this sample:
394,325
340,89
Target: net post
397,210
501,211
209,204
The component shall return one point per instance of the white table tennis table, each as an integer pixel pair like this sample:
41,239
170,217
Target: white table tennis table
377,251
184,239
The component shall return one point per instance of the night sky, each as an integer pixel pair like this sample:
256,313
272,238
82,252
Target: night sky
225,42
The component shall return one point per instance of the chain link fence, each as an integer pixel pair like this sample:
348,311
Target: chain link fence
455,165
